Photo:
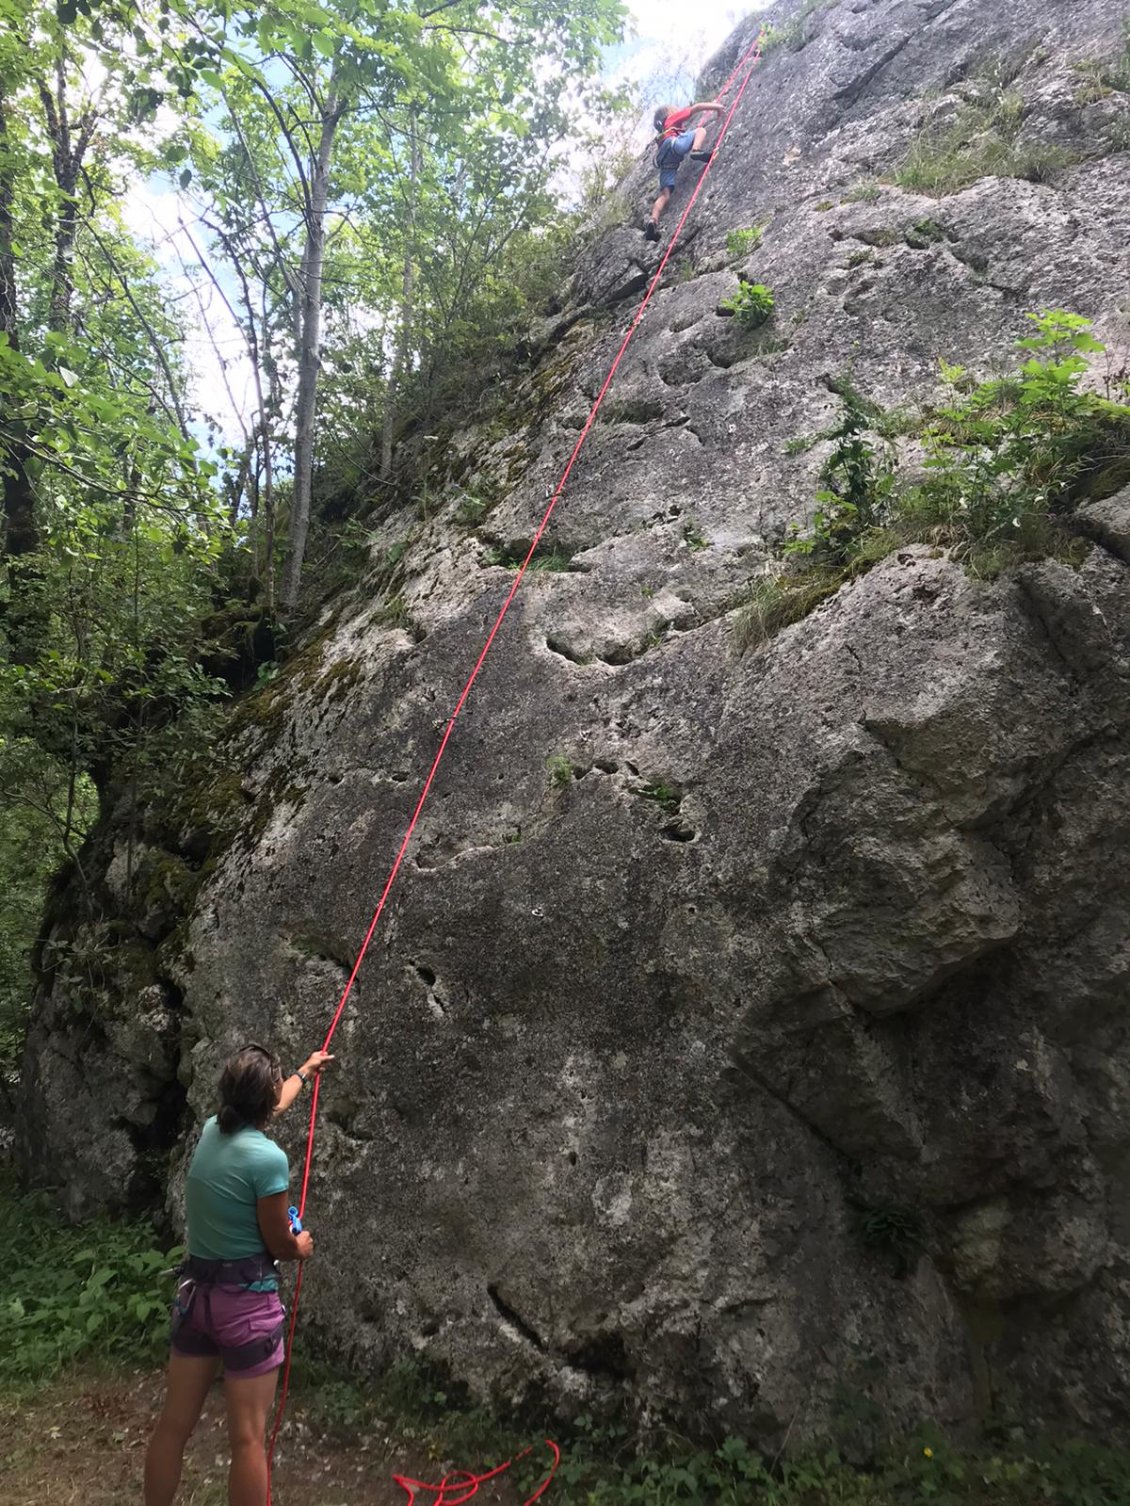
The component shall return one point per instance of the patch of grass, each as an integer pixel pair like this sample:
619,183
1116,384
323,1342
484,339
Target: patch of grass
925,232
666,796
472,510
776,601
560,771
693,537
1101,77
551,561
394,613
793,33
865,192
1008,461
741,242
881,236
982,141
769,348
752,305
74,1290
859,258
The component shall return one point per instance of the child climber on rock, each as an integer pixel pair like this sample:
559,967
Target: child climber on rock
674,142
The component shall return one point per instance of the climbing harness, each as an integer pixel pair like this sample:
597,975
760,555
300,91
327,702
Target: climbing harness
198,1278
461,1480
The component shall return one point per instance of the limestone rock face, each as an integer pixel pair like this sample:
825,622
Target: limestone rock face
745,1033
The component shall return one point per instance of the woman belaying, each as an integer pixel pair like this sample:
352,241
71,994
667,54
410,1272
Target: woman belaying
227,1308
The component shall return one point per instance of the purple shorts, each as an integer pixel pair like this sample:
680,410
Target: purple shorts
245,1329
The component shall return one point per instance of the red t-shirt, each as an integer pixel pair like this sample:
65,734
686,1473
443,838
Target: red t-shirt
675,122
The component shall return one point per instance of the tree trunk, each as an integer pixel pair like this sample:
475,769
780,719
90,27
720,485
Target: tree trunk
21,529
67,154
408,281
309,350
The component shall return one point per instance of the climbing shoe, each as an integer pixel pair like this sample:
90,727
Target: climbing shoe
701,156
651,230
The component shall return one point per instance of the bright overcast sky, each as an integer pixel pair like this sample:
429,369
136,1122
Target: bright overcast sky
674,38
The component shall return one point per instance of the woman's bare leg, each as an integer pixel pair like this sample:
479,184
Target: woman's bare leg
189,1377
249,1403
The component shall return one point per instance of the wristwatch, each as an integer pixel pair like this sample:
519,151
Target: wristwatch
303,1079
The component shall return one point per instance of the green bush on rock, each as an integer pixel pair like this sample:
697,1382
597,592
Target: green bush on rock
752,305
1007,462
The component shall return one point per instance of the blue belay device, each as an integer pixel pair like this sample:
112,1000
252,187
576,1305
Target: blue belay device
295,1221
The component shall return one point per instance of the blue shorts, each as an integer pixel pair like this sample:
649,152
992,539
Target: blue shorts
670,155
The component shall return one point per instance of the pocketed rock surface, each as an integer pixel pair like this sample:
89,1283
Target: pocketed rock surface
746,1035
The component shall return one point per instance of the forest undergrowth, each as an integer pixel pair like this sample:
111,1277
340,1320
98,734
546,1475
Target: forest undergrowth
82,1335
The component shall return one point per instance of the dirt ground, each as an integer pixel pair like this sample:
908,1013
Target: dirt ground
82,1442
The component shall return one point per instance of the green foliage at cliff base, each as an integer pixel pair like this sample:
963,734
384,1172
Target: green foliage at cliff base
76,1291
96,1290
604,1465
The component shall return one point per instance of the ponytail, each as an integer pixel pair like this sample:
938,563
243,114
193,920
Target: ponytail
249,1089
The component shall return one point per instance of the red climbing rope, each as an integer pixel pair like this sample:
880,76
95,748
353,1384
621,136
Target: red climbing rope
752,51
462,1480
752,56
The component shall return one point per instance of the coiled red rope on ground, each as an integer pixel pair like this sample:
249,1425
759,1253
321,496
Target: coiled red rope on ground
752,56
469,1484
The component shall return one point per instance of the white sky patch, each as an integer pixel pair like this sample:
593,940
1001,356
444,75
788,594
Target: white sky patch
672,41
221,380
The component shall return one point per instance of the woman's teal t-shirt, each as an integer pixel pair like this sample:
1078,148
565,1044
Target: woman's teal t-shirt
227,1176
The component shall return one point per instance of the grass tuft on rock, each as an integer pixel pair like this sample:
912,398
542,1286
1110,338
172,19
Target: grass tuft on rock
1007,462
983,140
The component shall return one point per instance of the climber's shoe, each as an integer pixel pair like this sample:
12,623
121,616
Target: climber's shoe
701,156
651,230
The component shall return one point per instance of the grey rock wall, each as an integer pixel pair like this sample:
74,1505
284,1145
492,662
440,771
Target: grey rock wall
776,1054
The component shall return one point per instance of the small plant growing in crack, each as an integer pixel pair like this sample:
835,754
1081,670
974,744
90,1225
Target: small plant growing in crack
867,192
552,561
751,306
694,538
896,1233
471,511
560,771
666,796
394,613
741,242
